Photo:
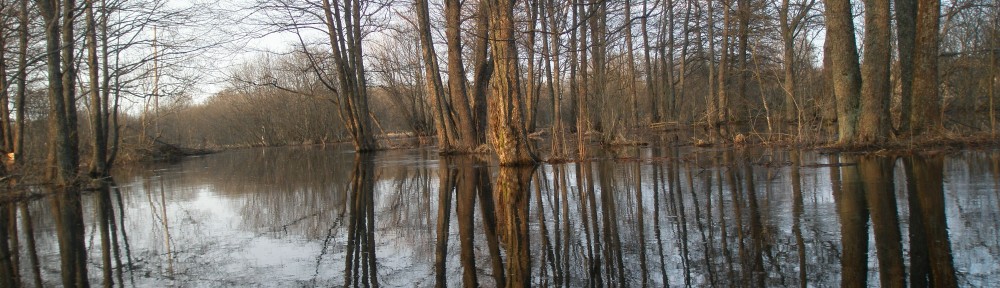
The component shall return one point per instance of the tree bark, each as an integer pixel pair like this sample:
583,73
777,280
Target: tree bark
723,112
344,31
906,30
530,90
506,133
63,151
846,70
456,77
98,166
443,121
874,124
926,113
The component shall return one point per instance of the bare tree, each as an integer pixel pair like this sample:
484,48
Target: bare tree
343,22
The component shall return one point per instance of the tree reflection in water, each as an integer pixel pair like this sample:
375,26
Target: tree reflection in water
360,268
665,217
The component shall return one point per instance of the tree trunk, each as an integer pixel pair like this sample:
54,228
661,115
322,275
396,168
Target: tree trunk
711,105
22,79
506,127
846,70
483,73
743,14
6,131
344,32
555,80
630,62
723,112
98,166
647,63
874,124
63,151
906,26
443,121
926,114
598,26
530,92
456,77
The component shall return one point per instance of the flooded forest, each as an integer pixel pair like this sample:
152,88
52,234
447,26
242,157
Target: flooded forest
499,143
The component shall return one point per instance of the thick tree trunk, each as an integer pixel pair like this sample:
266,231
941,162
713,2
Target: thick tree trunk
906,30
598,26
483,73
443,121
630,84
926,113
62,155
788,52
98,166
874,124
647,63
846,70
530,90
506,133
723,112
456,77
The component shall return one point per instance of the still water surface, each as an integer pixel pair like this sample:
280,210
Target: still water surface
410,218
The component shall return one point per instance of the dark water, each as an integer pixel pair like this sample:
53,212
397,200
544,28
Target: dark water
409,218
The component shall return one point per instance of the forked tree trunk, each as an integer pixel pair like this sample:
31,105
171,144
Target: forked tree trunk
456,78
505,124
434,88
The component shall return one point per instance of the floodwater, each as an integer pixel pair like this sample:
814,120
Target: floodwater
292,217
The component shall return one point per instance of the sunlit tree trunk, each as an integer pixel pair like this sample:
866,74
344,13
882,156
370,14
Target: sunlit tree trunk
506,134
874,124
456,77
846,69
343,27
530,88
483,73
434,88
6,129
